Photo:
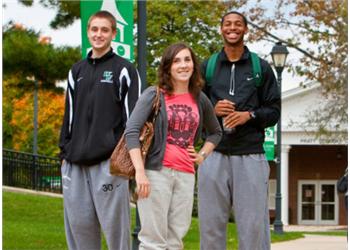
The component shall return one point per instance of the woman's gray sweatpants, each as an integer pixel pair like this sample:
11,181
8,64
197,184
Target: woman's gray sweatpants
94,199
238,182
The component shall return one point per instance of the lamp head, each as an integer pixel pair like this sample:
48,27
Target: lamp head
279,55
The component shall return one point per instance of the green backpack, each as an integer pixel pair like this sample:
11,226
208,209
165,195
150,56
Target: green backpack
255,62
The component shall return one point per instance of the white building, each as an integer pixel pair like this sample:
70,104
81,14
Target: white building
310,166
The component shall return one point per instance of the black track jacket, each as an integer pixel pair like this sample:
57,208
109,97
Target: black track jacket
264,100
101,94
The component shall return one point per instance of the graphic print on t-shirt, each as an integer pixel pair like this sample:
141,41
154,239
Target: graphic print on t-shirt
182,125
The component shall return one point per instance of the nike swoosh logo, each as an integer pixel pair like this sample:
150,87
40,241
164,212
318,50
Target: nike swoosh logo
249,78
80,78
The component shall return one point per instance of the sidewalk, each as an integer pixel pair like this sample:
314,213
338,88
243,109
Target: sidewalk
313,242
310,228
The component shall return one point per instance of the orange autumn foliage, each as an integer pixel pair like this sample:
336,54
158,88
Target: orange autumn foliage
50,113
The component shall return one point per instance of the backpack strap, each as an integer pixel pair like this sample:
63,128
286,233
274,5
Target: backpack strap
256,69
209,72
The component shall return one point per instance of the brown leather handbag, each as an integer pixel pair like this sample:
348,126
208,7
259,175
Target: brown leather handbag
120,163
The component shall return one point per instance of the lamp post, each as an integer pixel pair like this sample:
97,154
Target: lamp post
35,119
142,68
35,131
279,55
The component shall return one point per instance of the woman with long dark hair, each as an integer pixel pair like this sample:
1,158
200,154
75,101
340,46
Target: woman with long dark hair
165,182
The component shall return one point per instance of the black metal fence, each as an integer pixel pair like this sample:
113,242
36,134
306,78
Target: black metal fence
31,171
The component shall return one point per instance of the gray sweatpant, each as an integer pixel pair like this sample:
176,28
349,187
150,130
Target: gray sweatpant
94,199
238,182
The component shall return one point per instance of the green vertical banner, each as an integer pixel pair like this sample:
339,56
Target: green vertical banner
123,12
269,144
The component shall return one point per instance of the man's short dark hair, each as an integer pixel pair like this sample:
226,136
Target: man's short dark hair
237,13
104,14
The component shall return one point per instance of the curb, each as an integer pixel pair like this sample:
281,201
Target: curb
29,191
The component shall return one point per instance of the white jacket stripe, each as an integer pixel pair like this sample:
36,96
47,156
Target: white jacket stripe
70,96
124,73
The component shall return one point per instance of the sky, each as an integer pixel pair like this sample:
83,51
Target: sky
38,18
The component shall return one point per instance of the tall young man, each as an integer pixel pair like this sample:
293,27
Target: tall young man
102,91
236,175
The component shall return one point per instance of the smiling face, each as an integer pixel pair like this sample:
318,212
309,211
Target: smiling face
182,67
100,34
233,30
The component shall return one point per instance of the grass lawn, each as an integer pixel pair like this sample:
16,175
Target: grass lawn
36,222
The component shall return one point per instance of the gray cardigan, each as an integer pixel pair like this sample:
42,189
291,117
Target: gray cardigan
142,111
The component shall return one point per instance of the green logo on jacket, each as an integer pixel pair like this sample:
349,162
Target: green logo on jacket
107,77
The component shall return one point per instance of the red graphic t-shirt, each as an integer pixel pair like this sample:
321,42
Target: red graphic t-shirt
183,120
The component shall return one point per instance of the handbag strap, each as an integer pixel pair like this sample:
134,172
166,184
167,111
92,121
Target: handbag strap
156,105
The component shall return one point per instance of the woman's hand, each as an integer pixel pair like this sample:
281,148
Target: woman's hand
143,186
195,157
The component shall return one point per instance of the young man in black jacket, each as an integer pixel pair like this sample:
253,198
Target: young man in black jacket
235,176
102,91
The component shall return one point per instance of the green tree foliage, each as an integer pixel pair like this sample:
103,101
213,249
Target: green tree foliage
193,22
317,30
27,54
28,57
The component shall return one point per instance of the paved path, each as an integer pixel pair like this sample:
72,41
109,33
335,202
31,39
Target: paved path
313,242
310,228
